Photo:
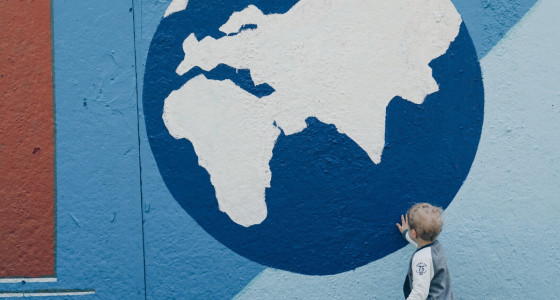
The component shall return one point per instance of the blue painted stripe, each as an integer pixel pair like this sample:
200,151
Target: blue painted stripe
489,20
98,225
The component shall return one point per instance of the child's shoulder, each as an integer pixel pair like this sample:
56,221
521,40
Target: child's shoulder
429,250
423,250
437,253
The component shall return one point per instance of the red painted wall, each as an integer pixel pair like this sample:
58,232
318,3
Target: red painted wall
26,140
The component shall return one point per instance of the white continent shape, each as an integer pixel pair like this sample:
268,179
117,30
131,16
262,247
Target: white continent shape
340,61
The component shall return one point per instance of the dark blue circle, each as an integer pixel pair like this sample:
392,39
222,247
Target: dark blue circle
330,208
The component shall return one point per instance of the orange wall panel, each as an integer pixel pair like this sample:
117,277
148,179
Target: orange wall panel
27,192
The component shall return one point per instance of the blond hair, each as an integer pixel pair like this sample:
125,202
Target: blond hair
426,219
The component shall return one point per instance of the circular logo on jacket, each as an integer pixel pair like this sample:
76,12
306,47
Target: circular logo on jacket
421,268
296,132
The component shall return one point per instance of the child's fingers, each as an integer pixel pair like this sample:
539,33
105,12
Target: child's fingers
402,219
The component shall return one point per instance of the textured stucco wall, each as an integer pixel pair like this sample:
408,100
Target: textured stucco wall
27,193
121,234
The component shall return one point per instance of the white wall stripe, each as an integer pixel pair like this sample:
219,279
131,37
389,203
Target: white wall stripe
45,294
21,279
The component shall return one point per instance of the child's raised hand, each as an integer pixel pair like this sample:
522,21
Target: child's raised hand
404,225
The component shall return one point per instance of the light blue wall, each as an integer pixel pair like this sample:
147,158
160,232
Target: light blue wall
98,216
99,232
499,233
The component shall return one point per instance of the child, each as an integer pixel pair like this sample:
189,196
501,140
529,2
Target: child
428,276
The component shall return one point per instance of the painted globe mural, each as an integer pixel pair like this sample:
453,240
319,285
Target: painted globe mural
297,132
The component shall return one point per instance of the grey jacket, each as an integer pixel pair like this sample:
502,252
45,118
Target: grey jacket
428,275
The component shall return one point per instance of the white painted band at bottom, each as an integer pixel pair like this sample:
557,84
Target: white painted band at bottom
44,294
21,279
